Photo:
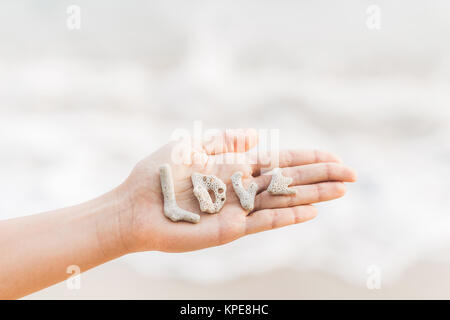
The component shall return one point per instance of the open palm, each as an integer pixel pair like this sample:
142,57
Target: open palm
317,176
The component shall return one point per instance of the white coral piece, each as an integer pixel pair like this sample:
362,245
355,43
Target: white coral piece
202,184
171,209
279,184
246,197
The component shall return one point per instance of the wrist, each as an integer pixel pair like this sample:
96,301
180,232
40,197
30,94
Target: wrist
113,213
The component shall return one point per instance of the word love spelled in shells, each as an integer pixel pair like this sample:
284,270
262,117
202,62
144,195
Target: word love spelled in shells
204,184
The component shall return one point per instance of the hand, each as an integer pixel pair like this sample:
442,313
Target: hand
317,176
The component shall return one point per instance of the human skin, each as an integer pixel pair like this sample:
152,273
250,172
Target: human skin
36,250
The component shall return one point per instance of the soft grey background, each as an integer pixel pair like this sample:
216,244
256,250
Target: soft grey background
79,108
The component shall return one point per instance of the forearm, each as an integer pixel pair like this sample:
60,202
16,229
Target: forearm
35,251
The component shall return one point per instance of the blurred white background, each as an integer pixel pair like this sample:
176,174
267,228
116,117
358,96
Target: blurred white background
78,108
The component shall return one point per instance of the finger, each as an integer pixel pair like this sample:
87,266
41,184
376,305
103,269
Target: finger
308,194
268,219
291,158
311,173
230,140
